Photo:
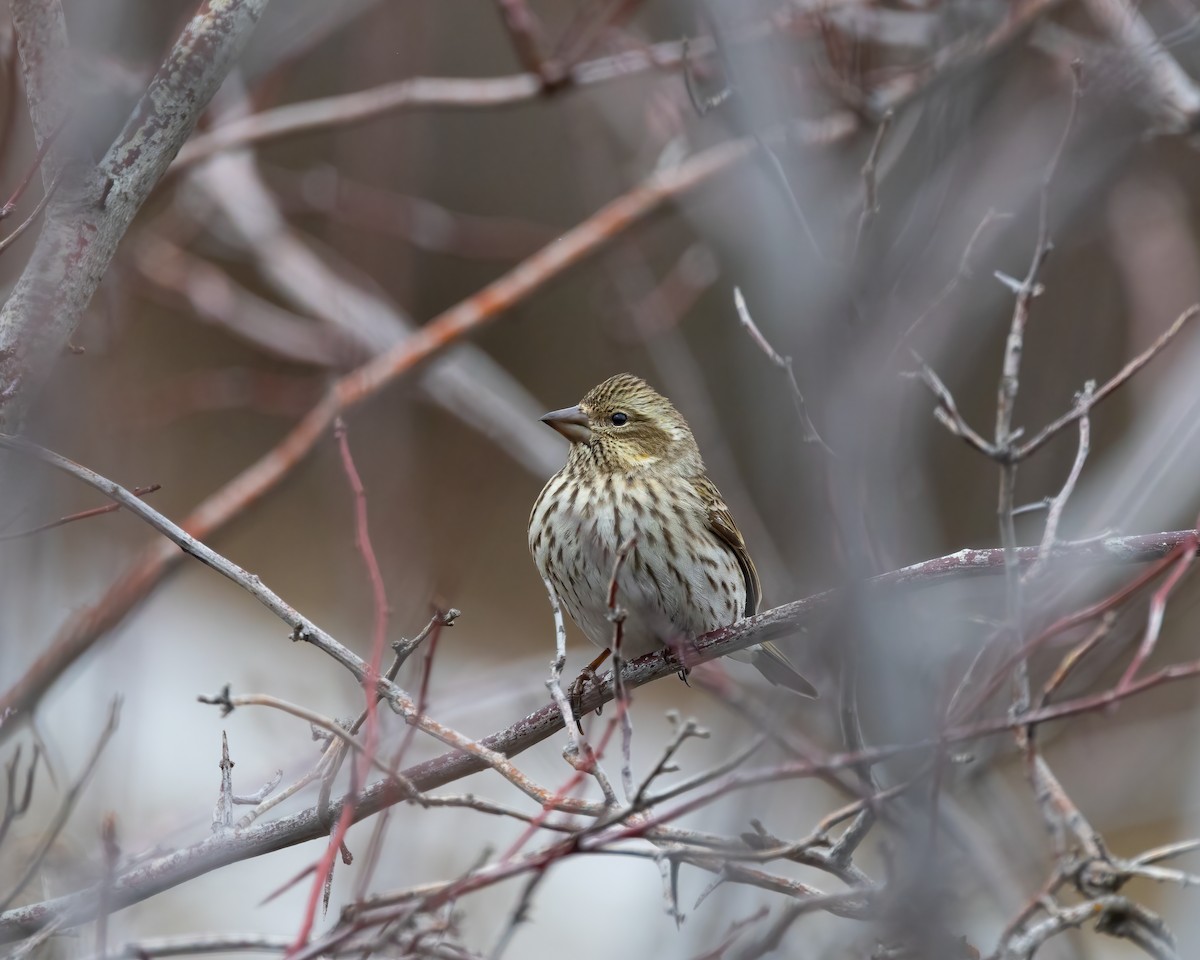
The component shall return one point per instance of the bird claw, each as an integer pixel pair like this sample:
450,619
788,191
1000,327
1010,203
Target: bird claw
578,689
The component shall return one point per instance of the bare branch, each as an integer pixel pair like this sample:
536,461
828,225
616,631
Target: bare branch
151,876
416,93
1113,383
808,431
88,219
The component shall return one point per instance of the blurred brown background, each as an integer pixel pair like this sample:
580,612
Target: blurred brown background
345,235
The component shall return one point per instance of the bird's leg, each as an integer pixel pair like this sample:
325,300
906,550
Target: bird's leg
587,675
677,649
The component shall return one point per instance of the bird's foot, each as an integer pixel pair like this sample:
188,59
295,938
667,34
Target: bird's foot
576,693
579,688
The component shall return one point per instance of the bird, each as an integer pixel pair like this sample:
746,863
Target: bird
634,487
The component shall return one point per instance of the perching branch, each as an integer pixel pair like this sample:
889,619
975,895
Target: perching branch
152,876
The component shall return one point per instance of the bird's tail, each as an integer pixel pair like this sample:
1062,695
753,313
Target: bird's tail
769,660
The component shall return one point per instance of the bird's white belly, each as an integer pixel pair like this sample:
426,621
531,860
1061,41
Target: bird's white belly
676,582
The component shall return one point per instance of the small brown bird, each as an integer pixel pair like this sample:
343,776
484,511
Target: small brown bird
634,473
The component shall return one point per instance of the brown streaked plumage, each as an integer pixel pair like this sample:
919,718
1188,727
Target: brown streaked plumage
634,471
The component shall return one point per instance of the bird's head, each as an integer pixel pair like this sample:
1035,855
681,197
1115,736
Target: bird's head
624,424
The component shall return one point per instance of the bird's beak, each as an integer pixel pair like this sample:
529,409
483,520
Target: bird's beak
571,422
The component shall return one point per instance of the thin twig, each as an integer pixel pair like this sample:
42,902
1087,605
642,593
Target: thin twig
228,703
946,411
808,431
15,806
82,515
1059,503
1110,385
617,615
36,212
1003,441
1158,609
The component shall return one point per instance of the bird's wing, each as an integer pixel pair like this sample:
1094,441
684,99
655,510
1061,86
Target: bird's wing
721,523
766,657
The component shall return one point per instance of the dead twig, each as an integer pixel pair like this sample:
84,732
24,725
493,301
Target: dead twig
808,431
81,515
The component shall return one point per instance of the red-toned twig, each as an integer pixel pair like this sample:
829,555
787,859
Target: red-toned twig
380,608
322,871
10,204
526,34
1100,608
433,631
112,854
81,515
1185,556
362,538
581,34
36,212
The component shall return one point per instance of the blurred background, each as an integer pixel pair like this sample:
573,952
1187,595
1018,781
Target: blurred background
901,153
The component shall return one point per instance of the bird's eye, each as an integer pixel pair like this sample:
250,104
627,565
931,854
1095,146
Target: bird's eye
619,419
